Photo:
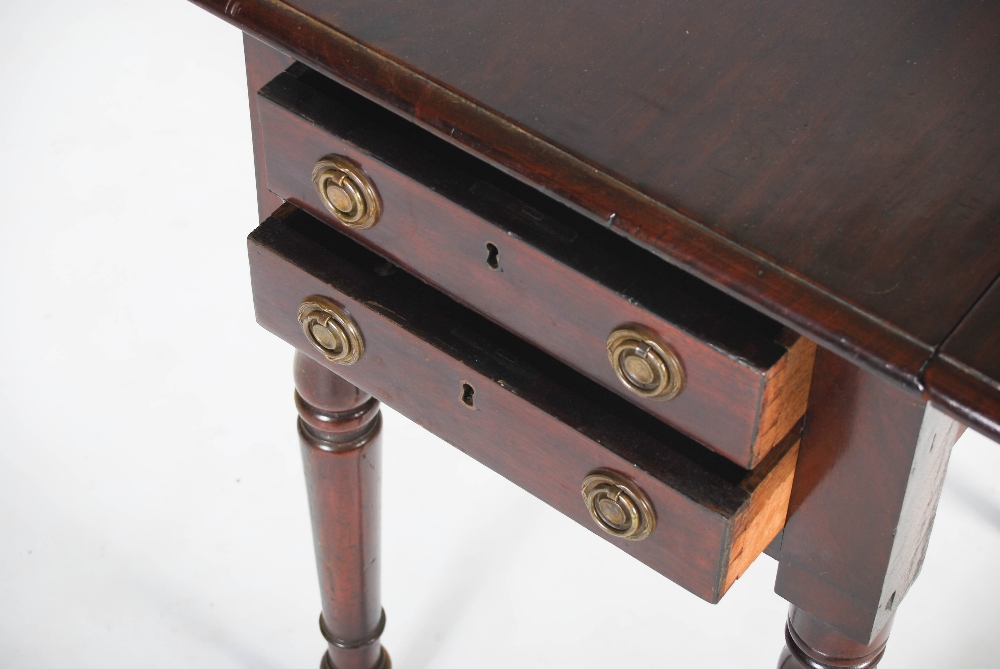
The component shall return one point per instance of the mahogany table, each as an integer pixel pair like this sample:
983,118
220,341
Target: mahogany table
709,278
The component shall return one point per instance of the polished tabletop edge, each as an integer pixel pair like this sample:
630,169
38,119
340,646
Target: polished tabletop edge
964,374
790,298
964,394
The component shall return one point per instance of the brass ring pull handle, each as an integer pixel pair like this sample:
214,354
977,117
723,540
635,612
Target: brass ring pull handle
347,192
331,330
618,506
646,365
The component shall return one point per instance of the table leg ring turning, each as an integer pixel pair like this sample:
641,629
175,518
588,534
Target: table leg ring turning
344,643
340,435
383,662
811,644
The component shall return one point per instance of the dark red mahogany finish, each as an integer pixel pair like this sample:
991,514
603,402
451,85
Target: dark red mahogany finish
837,166
765,120
559,282
340,432
965,375
865,493
520,412
812,644
263,64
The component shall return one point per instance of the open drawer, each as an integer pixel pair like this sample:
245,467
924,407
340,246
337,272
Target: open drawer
686,353
685,511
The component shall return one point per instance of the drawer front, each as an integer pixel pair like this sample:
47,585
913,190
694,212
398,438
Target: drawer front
517,410
539,269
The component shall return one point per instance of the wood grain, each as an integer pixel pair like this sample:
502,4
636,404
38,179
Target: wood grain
856,144
965,395
785,389
536,421
560,282
877,268
263,64
867,482
770,487
340,433
964,377
812,644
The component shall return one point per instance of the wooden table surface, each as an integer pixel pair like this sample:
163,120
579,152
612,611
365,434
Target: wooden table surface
836,166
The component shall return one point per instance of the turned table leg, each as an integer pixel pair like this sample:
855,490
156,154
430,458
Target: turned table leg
812,644
868,479
340,434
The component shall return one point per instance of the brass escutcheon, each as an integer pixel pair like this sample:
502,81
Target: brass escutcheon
347,192
331,330
618,506
646,365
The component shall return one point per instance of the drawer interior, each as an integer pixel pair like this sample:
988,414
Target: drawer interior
534,420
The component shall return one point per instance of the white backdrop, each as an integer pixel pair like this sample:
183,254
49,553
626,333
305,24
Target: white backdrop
152,507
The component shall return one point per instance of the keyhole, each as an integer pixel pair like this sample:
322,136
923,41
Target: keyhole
492,255
467,393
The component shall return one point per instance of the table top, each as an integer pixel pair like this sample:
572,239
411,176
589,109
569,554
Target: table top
836,166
